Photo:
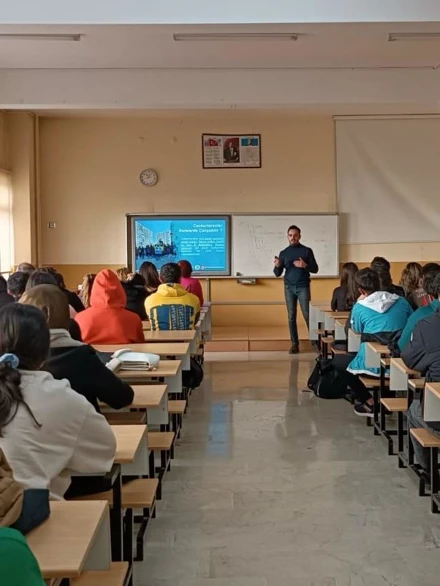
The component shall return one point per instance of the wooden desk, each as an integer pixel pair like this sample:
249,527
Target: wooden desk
373,354
315,317
76,537
131,449
146,325
167,336
170,371
152,398
330,316
431,403
164,349
400,374
340,329
354,341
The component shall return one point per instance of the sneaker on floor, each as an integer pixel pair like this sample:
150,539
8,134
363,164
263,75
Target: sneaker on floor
363,410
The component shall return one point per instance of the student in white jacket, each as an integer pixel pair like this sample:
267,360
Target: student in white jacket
47,430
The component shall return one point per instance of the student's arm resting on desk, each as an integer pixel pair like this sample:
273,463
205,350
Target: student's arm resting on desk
414,354
108,387
278,271
95,448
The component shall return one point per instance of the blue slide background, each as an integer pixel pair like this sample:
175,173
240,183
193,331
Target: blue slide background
201,241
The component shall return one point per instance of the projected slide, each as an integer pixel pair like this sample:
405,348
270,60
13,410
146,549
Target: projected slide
203,241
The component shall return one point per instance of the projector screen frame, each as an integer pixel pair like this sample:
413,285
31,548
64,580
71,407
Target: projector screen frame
132,217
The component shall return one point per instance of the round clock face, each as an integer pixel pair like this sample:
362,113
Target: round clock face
148,177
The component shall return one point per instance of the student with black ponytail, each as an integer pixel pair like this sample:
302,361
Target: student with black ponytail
47,430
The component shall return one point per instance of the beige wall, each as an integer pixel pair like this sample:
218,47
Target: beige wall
4,143
22,131
90,175
90,169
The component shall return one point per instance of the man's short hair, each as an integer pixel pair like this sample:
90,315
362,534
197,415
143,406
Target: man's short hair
17,284
379,262
368,280
170,273
41,277
431,283
293,227
430,266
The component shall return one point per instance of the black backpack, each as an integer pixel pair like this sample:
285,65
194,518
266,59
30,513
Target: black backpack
191,379
325,381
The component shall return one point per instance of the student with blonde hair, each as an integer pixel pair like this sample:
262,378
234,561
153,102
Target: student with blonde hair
412,282
86,289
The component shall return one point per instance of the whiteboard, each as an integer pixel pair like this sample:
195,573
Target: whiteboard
257,239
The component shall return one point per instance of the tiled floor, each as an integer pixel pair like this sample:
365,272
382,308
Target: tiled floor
272,487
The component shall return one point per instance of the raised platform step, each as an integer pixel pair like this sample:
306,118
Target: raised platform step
249,339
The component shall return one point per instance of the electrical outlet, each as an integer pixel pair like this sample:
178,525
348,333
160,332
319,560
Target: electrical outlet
51,224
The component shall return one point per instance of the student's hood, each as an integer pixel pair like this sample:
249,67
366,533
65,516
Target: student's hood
171,290
107,291
380,301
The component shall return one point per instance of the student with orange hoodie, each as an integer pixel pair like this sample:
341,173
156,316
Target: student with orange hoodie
107,321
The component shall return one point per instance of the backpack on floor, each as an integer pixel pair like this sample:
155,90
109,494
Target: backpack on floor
191,379
325,382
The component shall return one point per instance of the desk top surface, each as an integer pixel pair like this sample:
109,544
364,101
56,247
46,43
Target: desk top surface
165,368
434,388
170,336
398,362
128,439
62,542
148,396
161,348
379,348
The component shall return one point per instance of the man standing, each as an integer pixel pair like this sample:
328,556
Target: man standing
298,261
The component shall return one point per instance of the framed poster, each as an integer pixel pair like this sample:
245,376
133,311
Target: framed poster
231,151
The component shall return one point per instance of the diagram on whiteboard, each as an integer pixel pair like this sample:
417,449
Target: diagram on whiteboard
257,239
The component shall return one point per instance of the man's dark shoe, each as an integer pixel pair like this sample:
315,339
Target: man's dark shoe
294,349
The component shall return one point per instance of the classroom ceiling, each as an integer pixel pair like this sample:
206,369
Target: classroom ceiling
326,46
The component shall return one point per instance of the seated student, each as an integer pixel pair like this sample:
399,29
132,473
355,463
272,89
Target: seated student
5,297
73,299
411,281
432,287
375,312
191,284
26,267
136,294
46,277
422,353
344,296
17,284
171,307
47,430
149,272
383,267
18,566
72,360
86,289
107,321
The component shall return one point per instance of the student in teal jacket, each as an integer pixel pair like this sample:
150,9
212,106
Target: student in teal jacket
18,566
432,287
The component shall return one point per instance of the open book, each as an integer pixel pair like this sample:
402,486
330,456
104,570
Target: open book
125,359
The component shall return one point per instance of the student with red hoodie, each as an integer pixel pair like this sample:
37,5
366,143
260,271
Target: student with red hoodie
107,321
